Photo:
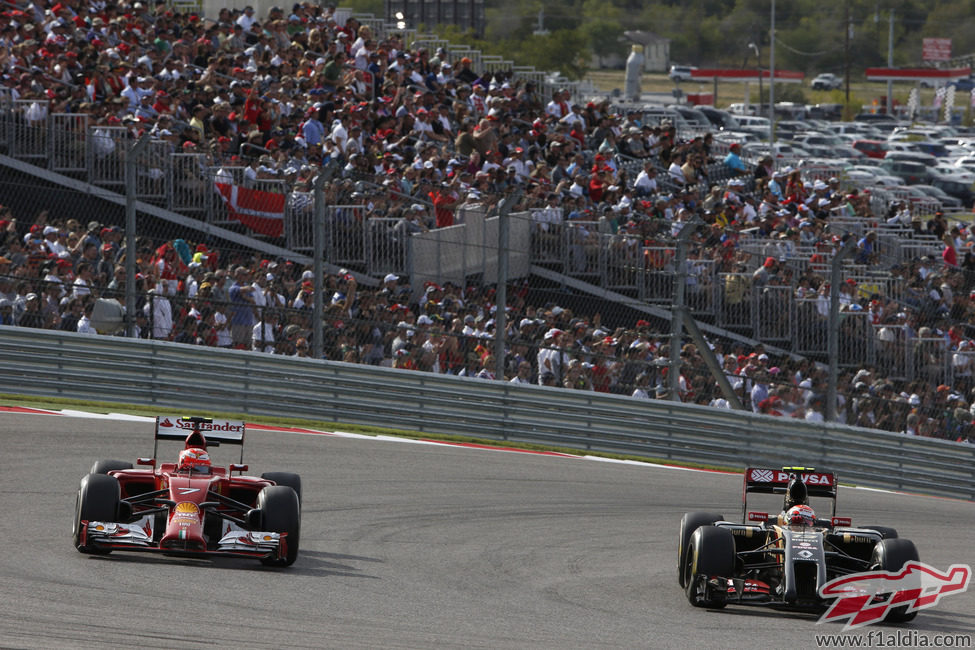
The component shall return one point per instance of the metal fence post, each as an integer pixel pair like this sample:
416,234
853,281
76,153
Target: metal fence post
501,301
677,309
131,161
833,343
318,236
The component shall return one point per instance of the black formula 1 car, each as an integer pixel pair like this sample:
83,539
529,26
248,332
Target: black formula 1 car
190,508
781,561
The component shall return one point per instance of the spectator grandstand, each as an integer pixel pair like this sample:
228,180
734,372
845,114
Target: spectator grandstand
242,114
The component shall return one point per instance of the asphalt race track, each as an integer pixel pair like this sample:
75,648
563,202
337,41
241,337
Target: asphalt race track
411,546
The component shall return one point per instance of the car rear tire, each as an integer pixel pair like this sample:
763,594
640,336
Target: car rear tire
885,531
690,522
281,513
289,479
98,500
106,466
710,553
892,555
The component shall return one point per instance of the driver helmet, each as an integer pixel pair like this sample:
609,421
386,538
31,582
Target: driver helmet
796,493
801,515
194,459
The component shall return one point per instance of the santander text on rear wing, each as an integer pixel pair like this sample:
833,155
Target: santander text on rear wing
215,432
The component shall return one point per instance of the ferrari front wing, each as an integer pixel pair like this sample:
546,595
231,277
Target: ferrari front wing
138,537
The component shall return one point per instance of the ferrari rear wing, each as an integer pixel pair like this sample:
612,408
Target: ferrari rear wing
216,432
763,480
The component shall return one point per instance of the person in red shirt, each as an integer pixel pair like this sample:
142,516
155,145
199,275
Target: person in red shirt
445,201
162,102
597,185
949,254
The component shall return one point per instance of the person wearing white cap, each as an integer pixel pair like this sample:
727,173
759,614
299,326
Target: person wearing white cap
51,241
552,357
962,362
403,336
775,184
390,278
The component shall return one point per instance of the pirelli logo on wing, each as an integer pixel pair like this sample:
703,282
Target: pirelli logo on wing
776,476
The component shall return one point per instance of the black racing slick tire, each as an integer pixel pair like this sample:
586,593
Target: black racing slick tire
892,555
290,479
885,531
98,500
690,522
281,513
711,553
106,466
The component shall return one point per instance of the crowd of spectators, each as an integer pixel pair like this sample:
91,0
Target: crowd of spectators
302,90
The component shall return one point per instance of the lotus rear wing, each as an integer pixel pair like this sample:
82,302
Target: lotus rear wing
764,480
214,432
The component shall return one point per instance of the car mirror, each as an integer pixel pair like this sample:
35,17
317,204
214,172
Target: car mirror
237,467
841,521
146,461
757,516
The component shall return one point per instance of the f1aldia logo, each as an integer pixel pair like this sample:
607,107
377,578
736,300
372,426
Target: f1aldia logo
865,598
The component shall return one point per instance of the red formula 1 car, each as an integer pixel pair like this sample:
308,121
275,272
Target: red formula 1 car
190,507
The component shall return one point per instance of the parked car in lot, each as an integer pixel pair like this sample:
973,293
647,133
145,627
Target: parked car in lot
957,188
876,118
966,163
859,177
789,128
965,84
895,153
948,171
826,81
826,111
680,73
654,115
692,116
887,180
936,192
719,118
911,172
928,147
778,150
871,148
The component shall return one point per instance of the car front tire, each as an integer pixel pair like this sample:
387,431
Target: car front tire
892,555
98,500
690,522
106,466
281,513
289,479
711,553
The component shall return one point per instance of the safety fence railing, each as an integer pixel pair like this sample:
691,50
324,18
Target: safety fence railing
69,144
128,371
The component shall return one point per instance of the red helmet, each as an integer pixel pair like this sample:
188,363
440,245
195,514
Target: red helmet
801,515
194,459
